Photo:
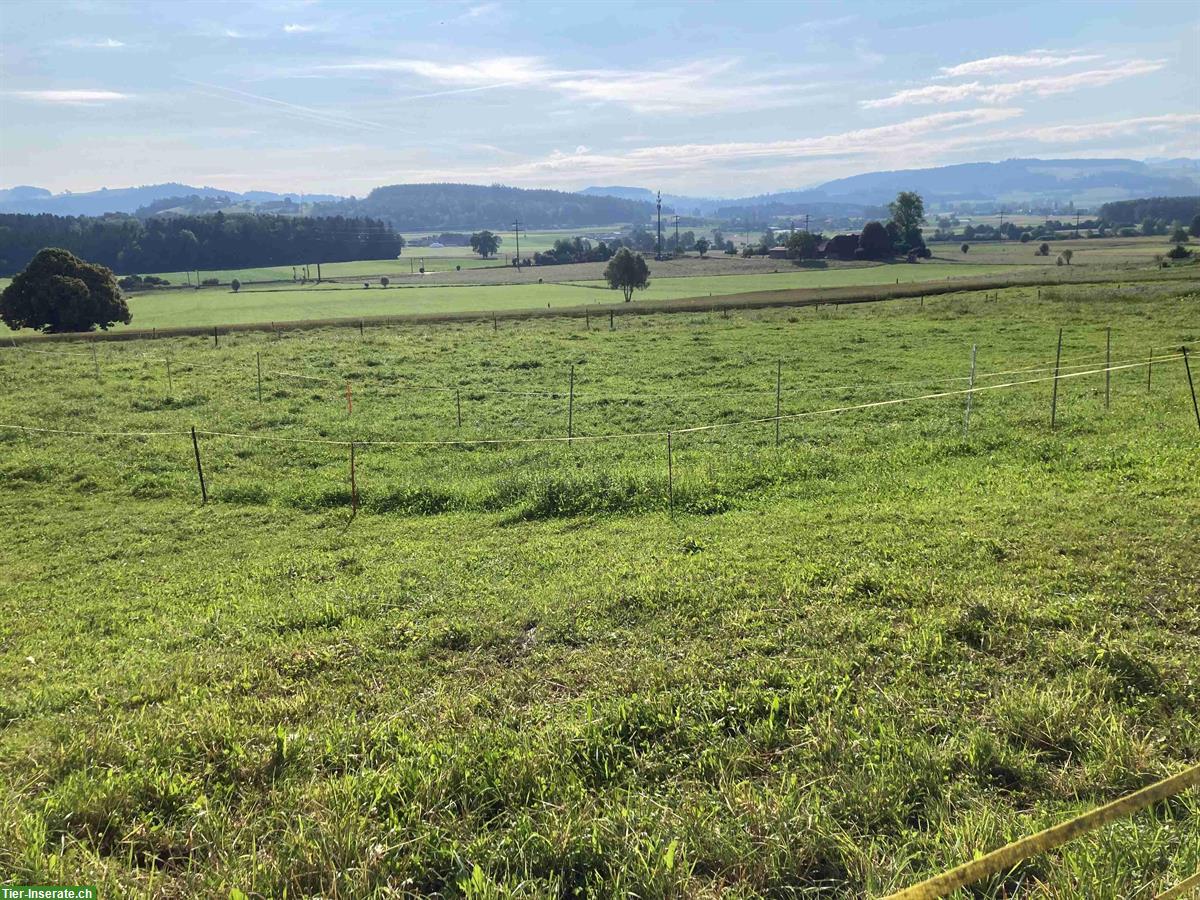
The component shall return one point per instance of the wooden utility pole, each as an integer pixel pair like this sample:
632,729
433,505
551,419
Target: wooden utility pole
658,246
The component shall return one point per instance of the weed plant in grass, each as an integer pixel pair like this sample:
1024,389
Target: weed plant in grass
843,664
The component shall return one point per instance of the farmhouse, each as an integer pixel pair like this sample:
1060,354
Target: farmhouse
779,252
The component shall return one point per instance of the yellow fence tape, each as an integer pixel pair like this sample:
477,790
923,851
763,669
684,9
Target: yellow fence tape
1006,857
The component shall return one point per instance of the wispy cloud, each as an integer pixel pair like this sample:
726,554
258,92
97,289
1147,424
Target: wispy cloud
231,33
282,107
93,43
881,142
1118,129
480,10
688,88
72,97
1005,92
1034,59
293,28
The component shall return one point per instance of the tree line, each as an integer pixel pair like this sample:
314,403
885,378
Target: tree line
177,243
421,207
1166,209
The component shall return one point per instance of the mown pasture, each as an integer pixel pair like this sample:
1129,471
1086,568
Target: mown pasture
432,259
824,668
221,306
1086,253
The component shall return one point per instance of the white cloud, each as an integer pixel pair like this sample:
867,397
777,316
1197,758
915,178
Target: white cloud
230,33
1035,59
293,28
76,98
692,87
1006,91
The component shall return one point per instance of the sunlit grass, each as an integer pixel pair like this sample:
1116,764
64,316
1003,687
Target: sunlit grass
840,665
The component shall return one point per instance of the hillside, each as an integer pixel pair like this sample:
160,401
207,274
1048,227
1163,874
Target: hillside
1079,180
34,200
432,207
1083,181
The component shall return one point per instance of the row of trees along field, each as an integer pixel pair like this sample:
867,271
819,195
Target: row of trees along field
1165,209
166,244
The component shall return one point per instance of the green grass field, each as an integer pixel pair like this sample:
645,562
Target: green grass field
434,259
372,268
220,306
836,666
1106,252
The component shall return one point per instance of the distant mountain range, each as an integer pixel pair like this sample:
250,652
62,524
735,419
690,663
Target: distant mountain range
26,199
1085,182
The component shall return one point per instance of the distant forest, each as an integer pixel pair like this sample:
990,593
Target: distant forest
1169,209
447,207
170,244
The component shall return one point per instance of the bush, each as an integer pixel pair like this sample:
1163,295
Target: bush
236,285
874,241
210,282
133,282
841,246
1179,252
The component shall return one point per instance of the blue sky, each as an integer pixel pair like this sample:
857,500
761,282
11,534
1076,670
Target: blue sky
719,99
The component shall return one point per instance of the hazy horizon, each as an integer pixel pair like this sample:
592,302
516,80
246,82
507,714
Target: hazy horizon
701,195
340,98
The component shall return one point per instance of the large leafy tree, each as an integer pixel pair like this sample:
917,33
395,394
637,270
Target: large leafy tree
627,271
908,212
58,291
485,243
